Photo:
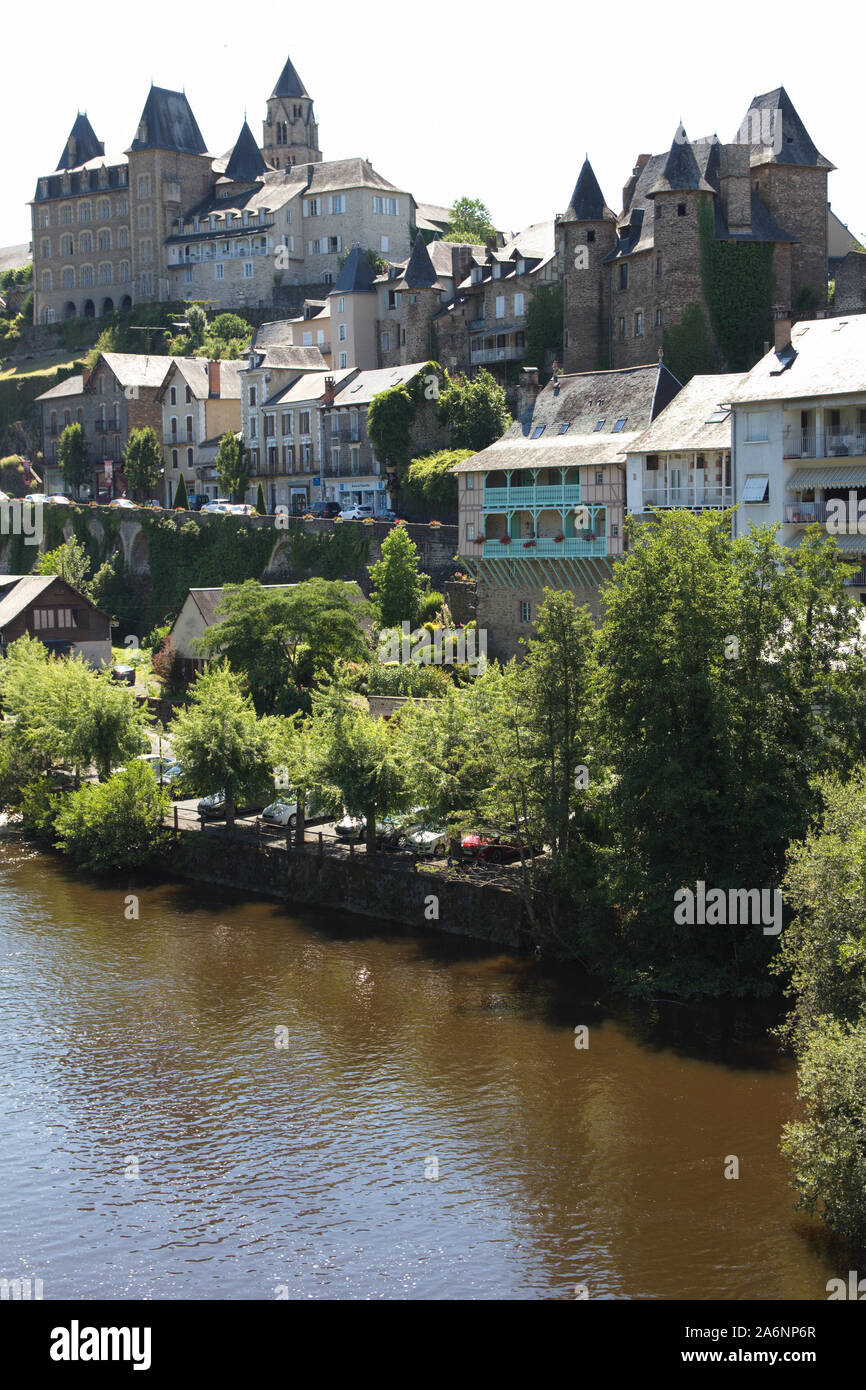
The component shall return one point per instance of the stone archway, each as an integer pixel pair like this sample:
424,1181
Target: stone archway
69,310
126,302
107,306
89,310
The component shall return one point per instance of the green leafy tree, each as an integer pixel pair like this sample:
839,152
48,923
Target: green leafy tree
470,222
474,410
390,417
282,641
827,1148
180,494
143,462
118,825
398,584
357,761
432,482
296,748
221,742
687,348
196,323
70,561
229,327
72,458
232,466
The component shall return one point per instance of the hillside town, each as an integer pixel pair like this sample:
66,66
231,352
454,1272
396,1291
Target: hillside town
362,556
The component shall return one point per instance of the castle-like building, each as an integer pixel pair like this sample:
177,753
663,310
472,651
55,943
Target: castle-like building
172,222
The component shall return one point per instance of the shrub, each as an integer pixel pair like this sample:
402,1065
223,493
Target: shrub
430,606
117,824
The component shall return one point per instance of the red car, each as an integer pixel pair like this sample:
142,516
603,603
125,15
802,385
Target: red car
487,848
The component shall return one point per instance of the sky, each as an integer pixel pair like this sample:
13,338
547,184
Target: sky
445,99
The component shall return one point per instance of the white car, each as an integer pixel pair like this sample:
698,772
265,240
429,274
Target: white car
59,500
240,509
218,506
351,828
429,841
355,513
283,813
121,502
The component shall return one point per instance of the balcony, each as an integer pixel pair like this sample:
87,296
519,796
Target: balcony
480,356
856,581
806,513
476,325
544,548
798,445
840,441
512,498
696,496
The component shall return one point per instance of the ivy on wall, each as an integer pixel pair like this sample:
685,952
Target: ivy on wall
686,345
738,282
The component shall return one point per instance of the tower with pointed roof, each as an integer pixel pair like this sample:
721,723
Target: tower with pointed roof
585,235
790,175
354,304
291,135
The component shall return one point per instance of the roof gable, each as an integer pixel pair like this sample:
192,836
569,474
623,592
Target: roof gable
86,144
419,273
357,275
681,169
771,143
587,201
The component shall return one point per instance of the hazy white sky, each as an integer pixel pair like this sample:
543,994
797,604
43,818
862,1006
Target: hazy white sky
445,98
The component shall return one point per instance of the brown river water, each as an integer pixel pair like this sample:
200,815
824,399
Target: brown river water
428,1130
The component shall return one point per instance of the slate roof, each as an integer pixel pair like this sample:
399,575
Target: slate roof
681,170
587,201
366,385
87,146
357,275
828,358
194,371
170,124
276,187
289,83
419,273
139,369
796,145
684,422
32,586
289,357
633,394
432,217
72,386
246,163
309,387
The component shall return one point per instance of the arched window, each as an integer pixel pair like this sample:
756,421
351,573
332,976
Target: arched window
123,238
48,315
104,210
124,270
54,422
85,212
66,245
105,273
86,276
67,418
68,277
104,239
46,280
85,243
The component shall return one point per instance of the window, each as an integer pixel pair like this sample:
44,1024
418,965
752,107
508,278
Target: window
341,333
147,250
46,280
623,276
327,277
341,305
287,421
470,531
658,318
638,324
248,270
144,186
66,247
622,327
681,209
270,426
500,306
45,250
144,216
470,482
189,458
288,456
756,427
337,204
43,618
187,395
563,429
123,238
599,426
66,215
187,275
103,241
67,278
254,427
377,204
658,265
386,337
344,360
304,422
599,478
619,424
614,530
524,611
103,211
189,427
393,299
121,207
174,458
538,432
384,244
590,236
518,306
320,337
497,270
172,395
252,397
219,271
756,488
308,339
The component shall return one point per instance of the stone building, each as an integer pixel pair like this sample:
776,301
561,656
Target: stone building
200,401
544,506
628,279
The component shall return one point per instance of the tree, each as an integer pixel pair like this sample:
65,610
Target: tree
180,494
118,825
196,323
296,745
470,222
474,411
229,327
261,507
220,741
282,641
357,761
70,561
143,462
398,584
232,466
390,417
72,458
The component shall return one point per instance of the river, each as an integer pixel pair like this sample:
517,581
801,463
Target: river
226,1099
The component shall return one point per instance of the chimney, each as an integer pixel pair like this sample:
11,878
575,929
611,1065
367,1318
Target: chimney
85,375
781,330
734,189
213,378
330,391
491,243
527,389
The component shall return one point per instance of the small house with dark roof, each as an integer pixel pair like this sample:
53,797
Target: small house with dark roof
46,607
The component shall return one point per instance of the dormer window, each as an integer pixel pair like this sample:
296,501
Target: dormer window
599,426
497,270
476,275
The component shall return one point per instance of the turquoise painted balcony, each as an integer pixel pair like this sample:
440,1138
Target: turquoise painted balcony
512,498
544,549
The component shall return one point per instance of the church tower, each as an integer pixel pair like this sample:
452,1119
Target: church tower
291,135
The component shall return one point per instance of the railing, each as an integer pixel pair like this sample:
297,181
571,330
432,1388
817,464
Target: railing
805,513
476,325
690,496
503,354
842,441
561,495
798,445
856,581
544,548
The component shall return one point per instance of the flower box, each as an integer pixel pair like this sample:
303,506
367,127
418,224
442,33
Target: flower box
528,545
504,540
557,539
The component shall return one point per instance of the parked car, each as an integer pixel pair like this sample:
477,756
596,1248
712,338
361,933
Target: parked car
218,506
197,500
391,833
121,502
326,510
355,513
387,515
123,675
59,500
488,847
214,807
428,841
284,813
351,828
